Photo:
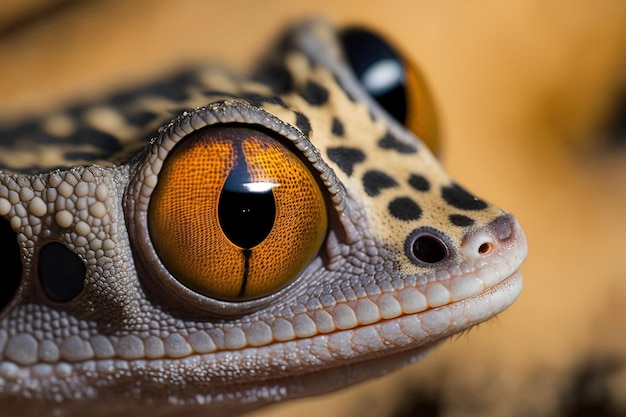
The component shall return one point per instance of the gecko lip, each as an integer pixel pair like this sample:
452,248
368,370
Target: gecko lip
325,362
347,368
498,297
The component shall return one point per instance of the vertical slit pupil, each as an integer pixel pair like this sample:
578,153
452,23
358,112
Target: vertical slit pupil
246,209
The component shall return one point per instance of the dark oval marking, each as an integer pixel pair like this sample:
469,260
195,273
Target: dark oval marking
141,118
458,197
11,261
460,220
314,94
303,123
419,183
390,142
403,208
337,127
61,272
374,181
345,157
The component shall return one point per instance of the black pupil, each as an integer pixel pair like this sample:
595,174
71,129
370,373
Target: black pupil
246,209
379,68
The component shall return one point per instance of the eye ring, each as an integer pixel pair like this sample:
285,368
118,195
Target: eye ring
235,215
153,276
428,247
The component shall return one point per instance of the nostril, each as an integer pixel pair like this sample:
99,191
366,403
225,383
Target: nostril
429,249
485,248
492,238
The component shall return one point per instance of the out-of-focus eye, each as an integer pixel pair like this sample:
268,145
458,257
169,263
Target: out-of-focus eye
235,215
393,82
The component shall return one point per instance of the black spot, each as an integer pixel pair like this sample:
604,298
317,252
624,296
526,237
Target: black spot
345,157
337,127
141,118
302,123
97,138
314,94
83,156
61,272
10,261
32,169
458,197
374,181
175,88
32,133
258,99
278,78
419,183
403,208
460,220
390,142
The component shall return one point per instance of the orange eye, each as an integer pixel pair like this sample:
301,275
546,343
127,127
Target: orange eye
421,118
235,215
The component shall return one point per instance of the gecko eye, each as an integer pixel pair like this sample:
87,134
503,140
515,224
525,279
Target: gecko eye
235,215
393,82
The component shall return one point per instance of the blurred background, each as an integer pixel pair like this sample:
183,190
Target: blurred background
532,100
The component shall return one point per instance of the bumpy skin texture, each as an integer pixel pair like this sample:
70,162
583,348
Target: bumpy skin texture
365,305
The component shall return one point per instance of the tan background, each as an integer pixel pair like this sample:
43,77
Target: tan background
521,86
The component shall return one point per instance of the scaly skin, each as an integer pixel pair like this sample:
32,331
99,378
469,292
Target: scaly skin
365,304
